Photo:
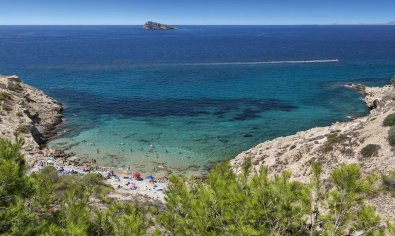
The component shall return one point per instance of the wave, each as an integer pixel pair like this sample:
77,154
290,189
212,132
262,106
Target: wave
259,62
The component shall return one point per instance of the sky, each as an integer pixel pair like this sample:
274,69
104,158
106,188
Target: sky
195,12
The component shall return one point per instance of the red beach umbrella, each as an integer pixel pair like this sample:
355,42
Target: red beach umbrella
136,175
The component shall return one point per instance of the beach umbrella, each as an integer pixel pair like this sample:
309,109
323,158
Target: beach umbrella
137,175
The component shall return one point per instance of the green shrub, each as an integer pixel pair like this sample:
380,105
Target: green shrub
47,203
389,120
22,129
393,80
228,204
332,139
6,107
15,186
19,114
389,183
370,150
15,86
391,136
5,96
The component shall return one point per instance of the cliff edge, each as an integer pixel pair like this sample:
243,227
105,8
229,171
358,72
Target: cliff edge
28,113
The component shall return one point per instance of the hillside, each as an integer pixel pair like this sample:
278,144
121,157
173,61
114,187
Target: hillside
363,141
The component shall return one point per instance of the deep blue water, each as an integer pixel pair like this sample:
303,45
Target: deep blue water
196,95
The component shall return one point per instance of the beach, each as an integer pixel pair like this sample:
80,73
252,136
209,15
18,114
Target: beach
40,115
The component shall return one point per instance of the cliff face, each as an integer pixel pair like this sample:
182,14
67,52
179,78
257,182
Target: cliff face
149,25
332,146
28,113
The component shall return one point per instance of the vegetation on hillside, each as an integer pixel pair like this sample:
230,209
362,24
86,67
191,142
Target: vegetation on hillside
333,139
389,120
46,203
15,86
5,96
370,150
393,81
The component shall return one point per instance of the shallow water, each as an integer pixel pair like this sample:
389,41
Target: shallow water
188,98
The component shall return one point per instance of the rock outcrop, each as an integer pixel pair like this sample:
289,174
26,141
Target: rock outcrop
371,99
150,25
28,113
335,145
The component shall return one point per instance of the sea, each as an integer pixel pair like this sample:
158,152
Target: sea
182,100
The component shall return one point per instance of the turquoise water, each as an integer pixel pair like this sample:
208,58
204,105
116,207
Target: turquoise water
188,98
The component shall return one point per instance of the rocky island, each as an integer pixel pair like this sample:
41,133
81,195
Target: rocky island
150,25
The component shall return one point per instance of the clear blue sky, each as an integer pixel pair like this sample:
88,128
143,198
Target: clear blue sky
129,12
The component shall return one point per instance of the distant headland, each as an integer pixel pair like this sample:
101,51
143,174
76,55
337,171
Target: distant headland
150,25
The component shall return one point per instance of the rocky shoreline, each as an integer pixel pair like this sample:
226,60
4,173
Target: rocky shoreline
28,113
335,145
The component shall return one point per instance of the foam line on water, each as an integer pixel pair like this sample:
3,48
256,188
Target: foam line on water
120,66
259,62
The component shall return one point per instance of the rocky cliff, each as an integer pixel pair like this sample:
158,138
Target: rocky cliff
28,113
332,146
149,25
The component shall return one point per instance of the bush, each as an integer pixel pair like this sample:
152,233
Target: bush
228,204
6,107
389,120
393,80
15,86
19,114
332,139
389,183
370,150
391,136
5,96
47,203
22,129
15,186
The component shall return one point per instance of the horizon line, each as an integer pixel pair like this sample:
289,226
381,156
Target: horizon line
332,24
